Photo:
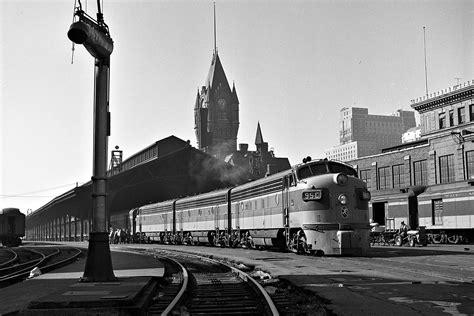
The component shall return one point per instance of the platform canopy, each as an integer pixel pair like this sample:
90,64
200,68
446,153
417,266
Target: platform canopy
168,169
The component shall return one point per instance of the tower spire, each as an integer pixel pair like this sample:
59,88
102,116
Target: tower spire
259,136
215,40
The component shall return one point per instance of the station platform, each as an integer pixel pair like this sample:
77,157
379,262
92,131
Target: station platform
60,292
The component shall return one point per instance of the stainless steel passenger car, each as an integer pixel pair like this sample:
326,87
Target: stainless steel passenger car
319,206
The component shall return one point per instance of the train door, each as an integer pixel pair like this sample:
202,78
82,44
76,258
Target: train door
215,212
413,212
139,222
173,224
134,222
285,205
239,208
11,228
179,218
225,219
228,209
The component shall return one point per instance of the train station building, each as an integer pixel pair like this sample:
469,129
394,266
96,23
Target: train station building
430,181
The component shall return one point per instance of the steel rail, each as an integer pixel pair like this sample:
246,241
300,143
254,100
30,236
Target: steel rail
181,292
25,271
57,264
15,257
243,276
23,267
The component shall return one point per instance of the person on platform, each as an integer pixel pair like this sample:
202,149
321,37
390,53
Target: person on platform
403,231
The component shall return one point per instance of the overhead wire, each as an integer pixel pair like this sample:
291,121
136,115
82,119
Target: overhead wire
73,20
29,194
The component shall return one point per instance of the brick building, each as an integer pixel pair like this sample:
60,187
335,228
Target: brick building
428,182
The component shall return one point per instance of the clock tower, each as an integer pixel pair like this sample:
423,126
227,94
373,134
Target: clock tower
216,113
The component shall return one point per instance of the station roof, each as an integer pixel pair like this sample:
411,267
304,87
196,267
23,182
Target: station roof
175,173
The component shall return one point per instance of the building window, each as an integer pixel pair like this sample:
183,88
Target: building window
383,178
461,117
451,118
471,112
442,120
419,171
397,176
446,169
437,210
365,176
470,164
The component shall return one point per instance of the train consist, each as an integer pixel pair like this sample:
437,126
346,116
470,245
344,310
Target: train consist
12,227
318,207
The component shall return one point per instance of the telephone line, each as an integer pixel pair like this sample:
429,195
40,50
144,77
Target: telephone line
38,191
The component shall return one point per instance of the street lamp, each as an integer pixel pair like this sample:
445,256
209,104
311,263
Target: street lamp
95,37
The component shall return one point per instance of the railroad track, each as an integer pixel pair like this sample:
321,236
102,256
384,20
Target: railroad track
17,263
197,285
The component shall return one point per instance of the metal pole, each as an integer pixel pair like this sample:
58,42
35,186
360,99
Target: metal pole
99,262
426,69
95,37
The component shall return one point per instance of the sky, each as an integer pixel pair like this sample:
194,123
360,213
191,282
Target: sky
295,64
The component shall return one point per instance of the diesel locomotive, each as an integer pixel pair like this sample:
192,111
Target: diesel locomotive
12,227
318,207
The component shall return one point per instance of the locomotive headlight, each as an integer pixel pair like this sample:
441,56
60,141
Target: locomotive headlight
342,198
340,179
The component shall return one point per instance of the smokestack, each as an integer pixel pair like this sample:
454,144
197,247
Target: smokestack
243,148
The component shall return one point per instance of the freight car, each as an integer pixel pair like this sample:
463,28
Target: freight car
12,227
318,207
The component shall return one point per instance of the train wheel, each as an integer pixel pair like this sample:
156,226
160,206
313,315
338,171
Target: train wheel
398,241
319,253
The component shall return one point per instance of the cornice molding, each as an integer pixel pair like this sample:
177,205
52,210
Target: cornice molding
443,100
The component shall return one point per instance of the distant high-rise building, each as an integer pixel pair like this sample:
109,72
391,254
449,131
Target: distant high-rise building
216,113
362,134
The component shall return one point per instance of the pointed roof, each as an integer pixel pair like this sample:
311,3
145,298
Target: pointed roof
216,73
234,94
259,137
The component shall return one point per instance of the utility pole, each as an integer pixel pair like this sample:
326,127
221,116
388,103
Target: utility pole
95,37
426,69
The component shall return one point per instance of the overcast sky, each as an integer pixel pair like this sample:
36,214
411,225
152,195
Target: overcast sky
295,64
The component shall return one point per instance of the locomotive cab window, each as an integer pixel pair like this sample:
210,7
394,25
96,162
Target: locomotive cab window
340,168
312,170
323,168
288,181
